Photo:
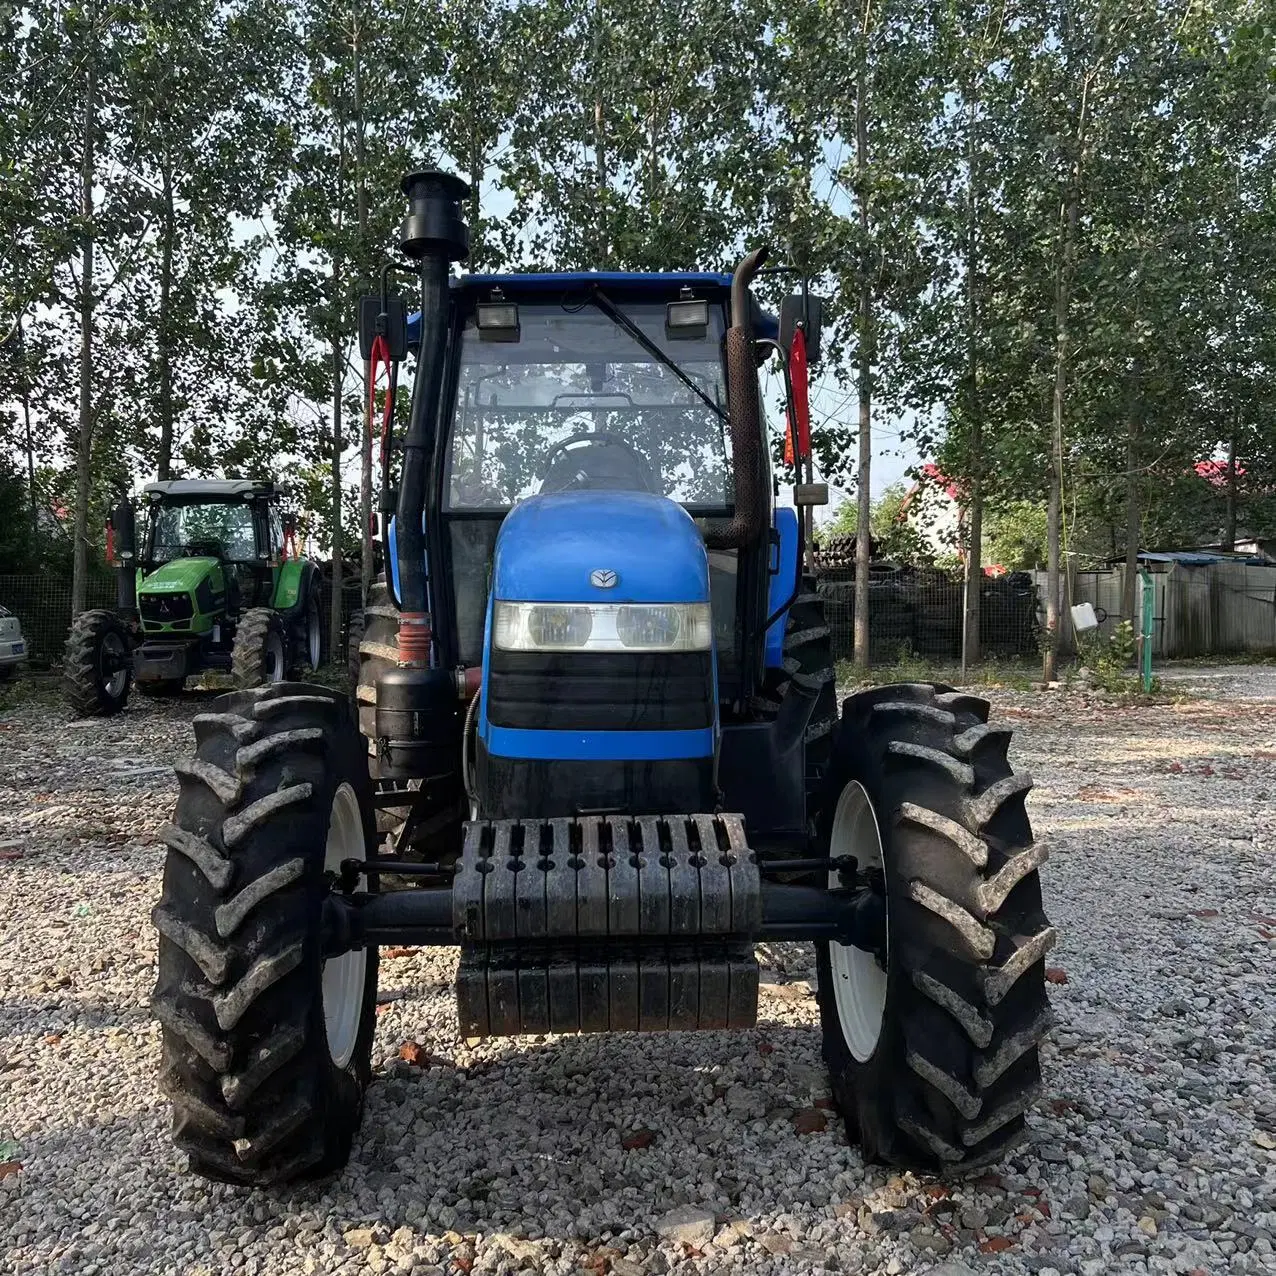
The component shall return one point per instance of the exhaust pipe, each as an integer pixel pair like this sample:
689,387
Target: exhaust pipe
435,235
124,529
745,416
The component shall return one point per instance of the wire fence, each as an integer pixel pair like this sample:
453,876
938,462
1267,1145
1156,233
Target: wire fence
42,604
919,613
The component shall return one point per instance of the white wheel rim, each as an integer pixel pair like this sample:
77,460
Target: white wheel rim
273,664
859,983
344,977
114,684
312,637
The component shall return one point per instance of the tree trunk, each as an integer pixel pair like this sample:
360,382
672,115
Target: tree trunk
1050,657
163,336
1229,527
864,360
975,527
334,614
600,135
336,346
366,552
84,443
476,165
1133,508
30,445
1054,522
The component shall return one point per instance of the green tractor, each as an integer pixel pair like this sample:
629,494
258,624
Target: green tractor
215,583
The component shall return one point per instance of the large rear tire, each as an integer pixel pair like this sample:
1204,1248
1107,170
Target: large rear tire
266,1046
97,668
932,1046
259,656
807,661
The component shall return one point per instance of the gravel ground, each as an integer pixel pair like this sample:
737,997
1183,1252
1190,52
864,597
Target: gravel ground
1153,1148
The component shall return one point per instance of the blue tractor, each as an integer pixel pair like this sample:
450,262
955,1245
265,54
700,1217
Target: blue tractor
594,743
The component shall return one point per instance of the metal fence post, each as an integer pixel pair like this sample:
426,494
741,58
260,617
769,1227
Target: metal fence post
1145,637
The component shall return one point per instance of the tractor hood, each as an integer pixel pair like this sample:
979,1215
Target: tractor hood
181,576
601,547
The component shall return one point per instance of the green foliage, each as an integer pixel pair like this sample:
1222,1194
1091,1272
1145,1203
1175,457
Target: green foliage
1110,659
1007,675
918,161
895,535
1015,535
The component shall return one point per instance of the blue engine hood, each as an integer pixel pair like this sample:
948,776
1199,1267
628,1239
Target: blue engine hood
549,545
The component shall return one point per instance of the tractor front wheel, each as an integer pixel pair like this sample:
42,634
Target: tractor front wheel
307,645
258,657
932,1042
266,1045
97,666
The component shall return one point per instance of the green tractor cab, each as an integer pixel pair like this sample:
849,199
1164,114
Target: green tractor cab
211,584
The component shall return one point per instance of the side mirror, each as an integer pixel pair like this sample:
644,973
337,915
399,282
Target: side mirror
809,311
288,522
393,326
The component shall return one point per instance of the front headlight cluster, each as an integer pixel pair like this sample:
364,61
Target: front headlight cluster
597,627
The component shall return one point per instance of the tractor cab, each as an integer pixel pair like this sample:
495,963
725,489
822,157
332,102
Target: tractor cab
555,394
603,546
228,532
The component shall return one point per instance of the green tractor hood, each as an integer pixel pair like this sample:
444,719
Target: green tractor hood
183,596
182,575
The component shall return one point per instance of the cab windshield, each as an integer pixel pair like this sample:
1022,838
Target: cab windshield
219,529
577,404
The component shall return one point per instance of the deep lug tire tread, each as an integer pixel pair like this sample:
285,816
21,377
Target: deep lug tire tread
81,682
808,661
373,649
248,655
956,1067
256,1096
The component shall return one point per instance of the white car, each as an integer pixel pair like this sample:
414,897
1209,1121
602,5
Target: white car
13,650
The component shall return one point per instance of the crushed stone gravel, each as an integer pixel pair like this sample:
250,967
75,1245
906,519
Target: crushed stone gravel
1152,1149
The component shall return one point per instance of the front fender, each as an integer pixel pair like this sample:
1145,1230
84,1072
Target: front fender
293,587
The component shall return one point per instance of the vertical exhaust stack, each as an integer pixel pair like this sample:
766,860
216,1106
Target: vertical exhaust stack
125,532
745,406
433,234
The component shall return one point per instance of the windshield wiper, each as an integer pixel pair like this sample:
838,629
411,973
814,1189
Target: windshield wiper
622,320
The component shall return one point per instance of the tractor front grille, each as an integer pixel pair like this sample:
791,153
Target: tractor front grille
601,691
165,609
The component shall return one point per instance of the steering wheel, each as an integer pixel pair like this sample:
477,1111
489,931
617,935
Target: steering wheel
634,465
202,549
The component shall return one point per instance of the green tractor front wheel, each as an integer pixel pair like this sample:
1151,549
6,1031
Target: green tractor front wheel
306,651
259,656
97,666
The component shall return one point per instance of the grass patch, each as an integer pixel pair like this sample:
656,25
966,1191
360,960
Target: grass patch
28,688
1010,675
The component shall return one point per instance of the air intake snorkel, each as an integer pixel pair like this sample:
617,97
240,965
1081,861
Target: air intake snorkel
746,416
434,235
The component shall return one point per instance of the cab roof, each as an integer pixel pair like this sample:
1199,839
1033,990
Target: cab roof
192,489
621,285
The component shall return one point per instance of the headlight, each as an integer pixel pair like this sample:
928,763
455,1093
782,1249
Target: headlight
595,627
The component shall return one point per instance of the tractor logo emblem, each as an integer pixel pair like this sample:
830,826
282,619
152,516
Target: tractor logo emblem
603,578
